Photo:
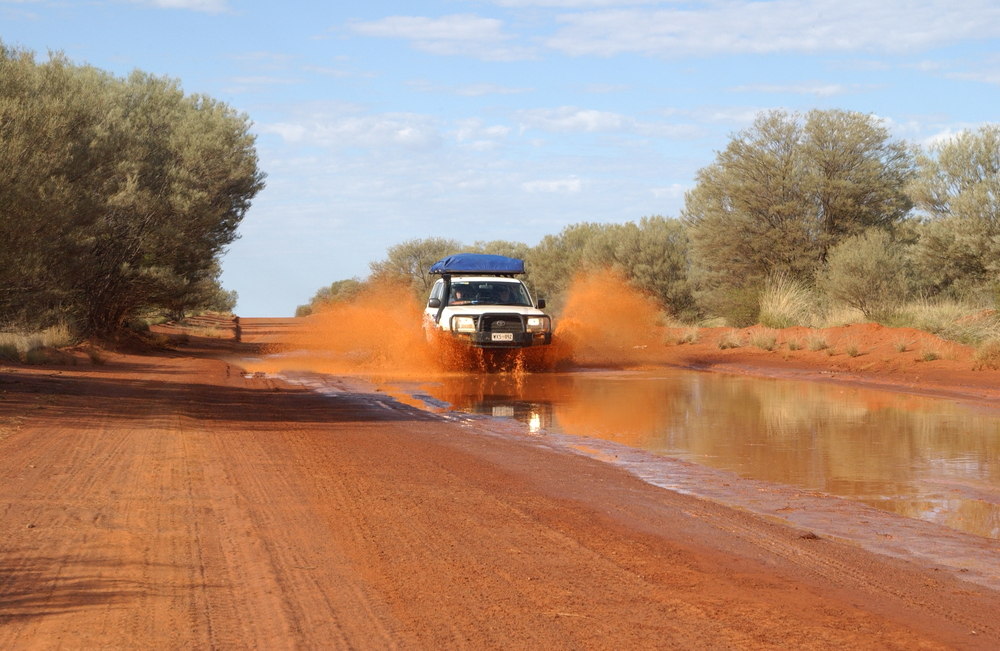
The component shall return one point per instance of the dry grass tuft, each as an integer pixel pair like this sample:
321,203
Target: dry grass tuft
764,339
953,320
785,302
20,346
817,342
689,336
987,356
730,339
930,355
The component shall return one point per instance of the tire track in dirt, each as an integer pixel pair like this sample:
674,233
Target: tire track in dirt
83,528
818,557
273,537
536,563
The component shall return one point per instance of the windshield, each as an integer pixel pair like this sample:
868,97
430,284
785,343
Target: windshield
489,293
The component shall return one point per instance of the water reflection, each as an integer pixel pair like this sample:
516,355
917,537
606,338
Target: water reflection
920,457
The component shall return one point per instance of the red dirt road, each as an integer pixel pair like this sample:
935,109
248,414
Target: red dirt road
165,500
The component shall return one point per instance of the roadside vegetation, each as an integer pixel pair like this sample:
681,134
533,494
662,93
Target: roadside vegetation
812,220
117,195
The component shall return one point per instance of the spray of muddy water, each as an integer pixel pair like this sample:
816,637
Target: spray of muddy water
606,322
381,332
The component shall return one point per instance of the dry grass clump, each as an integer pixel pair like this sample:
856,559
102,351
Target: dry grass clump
764,339
817,342
842,315
24,346
213,333
688,336
785,302
987,356
953,320
730,339
930,355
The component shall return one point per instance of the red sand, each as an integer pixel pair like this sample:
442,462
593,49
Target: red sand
169,500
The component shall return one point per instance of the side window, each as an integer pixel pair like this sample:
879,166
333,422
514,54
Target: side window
438,290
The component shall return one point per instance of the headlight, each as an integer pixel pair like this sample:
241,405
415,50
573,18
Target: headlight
463,324
538,324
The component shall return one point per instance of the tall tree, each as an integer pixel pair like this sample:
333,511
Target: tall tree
115,193
957,192
856,174
410,262
557,258
653,255
781,194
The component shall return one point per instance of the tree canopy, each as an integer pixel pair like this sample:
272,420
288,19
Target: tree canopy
957,192
116,195
782,193
823,202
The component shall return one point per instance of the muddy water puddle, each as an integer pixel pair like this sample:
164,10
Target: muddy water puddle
924,458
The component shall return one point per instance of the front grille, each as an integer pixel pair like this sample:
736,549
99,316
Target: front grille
502,323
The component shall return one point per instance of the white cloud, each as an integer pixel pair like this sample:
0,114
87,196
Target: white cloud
562,186
327,71
468,90
673,191
406,130
256,83
286,131
945,134
605,89
456,35
818,89
262,80
481,90
989,77
753,27
569,119
720,114
474,134
207,6
579,4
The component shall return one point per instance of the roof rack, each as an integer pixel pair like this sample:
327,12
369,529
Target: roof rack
478,263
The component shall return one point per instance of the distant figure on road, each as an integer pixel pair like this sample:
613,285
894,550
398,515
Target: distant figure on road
237,331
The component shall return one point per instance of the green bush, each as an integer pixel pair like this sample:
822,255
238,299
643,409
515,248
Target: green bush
9,353
867,272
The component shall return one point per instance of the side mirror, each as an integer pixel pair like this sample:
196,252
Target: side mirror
434,303
541,304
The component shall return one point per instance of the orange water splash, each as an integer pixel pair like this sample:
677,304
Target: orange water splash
381,332
608,322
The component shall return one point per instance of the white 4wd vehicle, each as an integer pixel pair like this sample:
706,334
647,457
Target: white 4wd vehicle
478,300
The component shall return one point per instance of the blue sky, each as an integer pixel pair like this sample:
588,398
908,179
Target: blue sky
379,122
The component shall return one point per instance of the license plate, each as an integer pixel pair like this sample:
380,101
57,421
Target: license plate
503,336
